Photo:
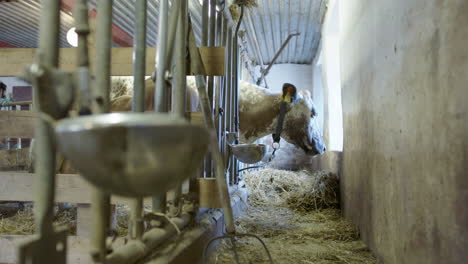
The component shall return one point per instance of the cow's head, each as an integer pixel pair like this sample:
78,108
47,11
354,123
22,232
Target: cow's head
300,124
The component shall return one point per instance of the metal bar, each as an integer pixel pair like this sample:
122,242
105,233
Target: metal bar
173,19
103,60
44,183
179,81
82,30
161,95
205,17
179,91
267,70
138,104
160,98
100,104
139,56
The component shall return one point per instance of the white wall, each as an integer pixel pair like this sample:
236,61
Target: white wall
331,77
297,74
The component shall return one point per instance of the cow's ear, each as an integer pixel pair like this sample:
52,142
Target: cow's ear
289,92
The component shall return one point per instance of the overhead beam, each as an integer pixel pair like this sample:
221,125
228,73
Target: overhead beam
20,124
15,60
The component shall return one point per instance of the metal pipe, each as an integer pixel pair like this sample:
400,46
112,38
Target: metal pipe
211,43
44,184
139,56
267,70
100,104
205,16
135,250
101,90
161,95
82,30
138,103
179,81
179,91
173,19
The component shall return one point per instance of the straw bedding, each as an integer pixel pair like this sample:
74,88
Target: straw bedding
297,215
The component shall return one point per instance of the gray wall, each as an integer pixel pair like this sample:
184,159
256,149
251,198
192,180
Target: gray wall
404,68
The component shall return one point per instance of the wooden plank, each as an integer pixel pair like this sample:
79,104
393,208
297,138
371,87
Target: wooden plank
78,248
20,124
14,61
70,188
17,124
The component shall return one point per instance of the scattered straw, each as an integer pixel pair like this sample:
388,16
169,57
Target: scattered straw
298,190
22,223
296,215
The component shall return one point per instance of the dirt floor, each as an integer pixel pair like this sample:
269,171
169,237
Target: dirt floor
294,232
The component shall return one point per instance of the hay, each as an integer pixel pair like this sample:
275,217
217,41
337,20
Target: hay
298,190
297,216
22,223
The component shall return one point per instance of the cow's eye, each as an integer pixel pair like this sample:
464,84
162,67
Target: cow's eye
312,113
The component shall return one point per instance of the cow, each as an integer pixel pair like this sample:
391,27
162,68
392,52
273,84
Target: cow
259,110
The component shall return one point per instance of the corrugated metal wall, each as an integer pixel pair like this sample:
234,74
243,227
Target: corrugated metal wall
266,26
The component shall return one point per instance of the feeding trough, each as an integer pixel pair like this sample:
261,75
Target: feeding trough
249,153
133,154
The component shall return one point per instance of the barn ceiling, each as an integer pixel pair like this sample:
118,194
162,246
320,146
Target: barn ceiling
266,26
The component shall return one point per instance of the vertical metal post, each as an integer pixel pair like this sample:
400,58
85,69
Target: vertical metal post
179,91
138,104
179,81
205,16
44,184
236,89
100,104
228,96
161,96
218,80
173,19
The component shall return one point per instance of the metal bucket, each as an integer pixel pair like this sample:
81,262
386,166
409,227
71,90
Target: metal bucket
133,154
249,153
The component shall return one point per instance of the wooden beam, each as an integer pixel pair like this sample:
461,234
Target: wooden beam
78,248
20,124
70,188
15,60
17,124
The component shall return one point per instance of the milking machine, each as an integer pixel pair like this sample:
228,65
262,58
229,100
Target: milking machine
133,155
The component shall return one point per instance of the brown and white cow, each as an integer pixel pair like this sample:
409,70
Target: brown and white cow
259,110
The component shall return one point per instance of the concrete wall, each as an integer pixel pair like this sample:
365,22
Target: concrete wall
404,69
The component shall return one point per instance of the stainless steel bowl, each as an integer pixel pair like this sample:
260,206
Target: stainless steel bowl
249,153
133,154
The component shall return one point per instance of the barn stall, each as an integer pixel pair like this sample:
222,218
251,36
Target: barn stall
202,180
